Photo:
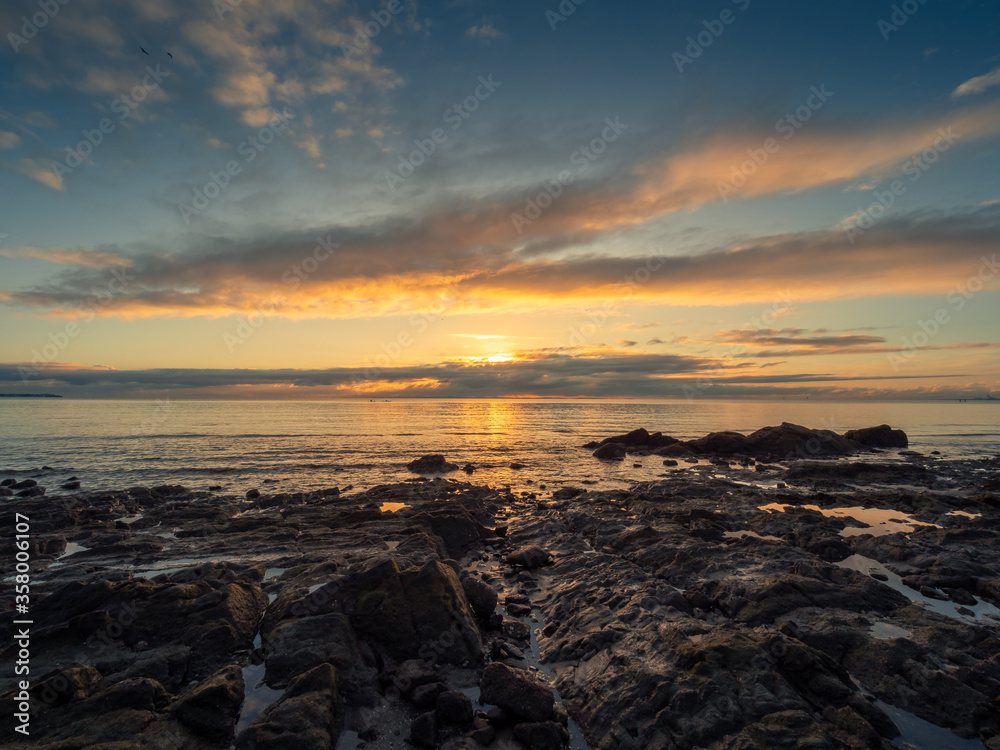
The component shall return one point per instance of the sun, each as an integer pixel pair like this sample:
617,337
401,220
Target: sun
502,357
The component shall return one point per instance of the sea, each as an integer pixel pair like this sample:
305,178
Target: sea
285,446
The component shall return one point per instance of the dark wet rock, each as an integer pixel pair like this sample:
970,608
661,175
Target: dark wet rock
482,597
404,611
455,526
211,617
425,696
677,450
67,685
641,440
518,465
515,630
454,707
303,718
6,492
424,731
296,646
483,732
542,735
669,462
819,471
469,468
431,464
789,441
210,709
252,494
23,484
567,493
517,691
529,557
73,485
763,600
36,491
611,452
882,436
8,482
724,443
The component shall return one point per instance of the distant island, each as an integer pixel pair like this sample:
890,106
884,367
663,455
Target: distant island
30,395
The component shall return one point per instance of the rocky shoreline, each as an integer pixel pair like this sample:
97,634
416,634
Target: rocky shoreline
752,597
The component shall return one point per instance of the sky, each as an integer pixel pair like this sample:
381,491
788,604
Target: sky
474,199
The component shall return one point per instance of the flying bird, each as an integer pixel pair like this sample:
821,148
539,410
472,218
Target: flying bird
170,56
144,51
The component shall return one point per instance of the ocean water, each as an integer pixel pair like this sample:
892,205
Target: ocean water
309,445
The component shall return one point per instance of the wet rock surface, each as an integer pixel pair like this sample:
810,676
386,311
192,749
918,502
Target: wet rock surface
706,610
783,442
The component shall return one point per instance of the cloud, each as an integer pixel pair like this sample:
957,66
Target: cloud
626,343
978,84
793,337
486,31
815,157
8,139
77,256
400,266
538,373
41,171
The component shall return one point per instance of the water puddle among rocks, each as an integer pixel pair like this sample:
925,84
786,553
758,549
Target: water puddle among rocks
868,566
391,507
964,514
885,631
273,573
743,533
71,549
257,696
917,734
880,521
132,519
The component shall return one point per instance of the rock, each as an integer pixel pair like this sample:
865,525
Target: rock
24,484
253,494
11,482
431,464
211,708
75,485
543,735
530,557
425,696
483,733
36,491
882,436
298,645
303,718
481,596
669,462
419,610
610,452
469,468
454,707
820,471
517,465
722,443
641,440
6,492
423,731
789,440
517,691
73,684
